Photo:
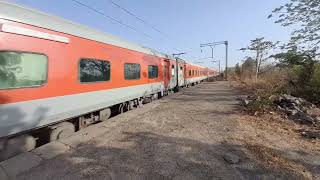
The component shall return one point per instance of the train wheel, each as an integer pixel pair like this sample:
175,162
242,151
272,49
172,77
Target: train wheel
105,114
61,130
131,105
17,145
140,102
125,106
121,108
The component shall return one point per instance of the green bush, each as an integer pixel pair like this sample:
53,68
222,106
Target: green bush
316,77
296,74
298,86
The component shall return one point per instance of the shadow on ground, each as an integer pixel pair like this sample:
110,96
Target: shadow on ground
12,121
147,155
140,150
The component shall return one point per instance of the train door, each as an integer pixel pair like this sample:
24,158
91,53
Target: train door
166,74
185,73
181,73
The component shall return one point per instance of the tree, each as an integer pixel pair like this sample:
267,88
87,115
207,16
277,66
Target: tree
261,48
305,14
237,71
247,67
305,60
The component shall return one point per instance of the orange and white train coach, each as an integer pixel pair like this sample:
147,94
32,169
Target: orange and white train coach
58,76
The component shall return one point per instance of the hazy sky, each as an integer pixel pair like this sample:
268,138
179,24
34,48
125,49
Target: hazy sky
186,22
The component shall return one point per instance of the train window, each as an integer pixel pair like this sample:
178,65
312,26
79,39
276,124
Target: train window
94,70
172,70
22,69
152,72
131,71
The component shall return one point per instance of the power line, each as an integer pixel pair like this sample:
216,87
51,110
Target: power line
143,21
112,18
126,25
138,18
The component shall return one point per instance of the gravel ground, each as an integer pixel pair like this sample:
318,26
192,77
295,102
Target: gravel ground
198,133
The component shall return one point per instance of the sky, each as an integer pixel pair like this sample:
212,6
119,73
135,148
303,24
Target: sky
184,24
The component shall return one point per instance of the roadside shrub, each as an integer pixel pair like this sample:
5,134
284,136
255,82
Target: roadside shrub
316,77
298,86
260,104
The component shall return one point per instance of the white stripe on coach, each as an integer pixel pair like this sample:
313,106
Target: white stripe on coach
32,33
22,116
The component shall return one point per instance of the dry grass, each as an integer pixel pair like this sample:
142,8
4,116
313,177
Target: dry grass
265,87
273,160
269,137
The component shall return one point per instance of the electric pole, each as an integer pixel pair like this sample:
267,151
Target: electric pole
227,45
212,45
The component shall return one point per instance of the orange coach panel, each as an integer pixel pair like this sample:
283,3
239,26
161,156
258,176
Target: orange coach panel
63,62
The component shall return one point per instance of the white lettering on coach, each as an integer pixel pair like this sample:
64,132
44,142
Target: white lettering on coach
33,33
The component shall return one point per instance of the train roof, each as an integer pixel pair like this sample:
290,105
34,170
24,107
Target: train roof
17,13
197,65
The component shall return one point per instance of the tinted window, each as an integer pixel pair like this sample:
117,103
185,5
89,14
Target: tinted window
19,69
93,70
152,72
131,71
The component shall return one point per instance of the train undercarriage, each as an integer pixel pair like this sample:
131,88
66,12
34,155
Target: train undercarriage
27,141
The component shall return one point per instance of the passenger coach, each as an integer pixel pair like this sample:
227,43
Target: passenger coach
58,77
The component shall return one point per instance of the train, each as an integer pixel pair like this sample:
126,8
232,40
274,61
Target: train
57,77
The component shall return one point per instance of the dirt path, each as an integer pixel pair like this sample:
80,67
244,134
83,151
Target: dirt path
189,135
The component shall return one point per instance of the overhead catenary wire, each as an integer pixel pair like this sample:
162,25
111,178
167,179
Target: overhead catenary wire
126,25
112,18
138,18
143,22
